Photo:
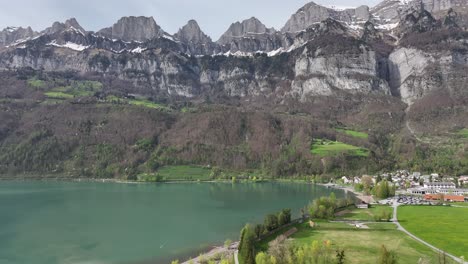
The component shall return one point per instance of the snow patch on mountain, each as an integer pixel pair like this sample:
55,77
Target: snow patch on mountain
68,45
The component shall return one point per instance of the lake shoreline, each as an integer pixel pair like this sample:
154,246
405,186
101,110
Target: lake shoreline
79,199
112,180
343,188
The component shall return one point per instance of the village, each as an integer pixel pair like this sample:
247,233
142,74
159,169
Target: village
417,188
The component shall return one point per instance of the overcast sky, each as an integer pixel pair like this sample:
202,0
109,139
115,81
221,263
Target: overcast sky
214,16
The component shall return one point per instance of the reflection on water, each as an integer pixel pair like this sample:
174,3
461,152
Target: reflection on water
60,222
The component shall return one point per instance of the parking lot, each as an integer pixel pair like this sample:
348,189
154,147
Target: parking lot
407,200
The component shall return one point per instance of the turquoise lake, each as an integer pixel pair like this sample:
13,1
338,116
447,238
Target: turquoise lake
88,222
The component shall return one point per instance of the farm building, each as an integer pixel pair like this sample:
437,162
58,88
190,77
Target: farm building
446,198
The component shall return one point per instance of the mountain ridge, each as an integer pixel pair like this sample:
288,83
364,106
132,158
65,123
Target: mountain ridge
89,103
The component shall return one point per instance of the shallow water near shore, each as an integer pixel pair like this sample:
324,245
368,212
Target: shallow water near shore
88,222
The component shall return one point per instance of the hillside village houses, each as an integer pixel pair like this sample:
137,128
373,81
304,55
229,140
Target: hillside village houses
462,180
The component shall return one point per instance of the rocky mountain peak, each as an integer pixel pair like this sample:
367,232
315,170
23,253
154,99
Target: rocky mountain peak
134,29
435,6
394,10
71,23
313,13
389,10
247,27
332,26
12,34
418,21
195,40
192,32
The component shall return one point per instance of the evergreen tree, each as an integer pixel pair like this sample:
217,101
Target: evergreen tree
271,222
284,217
246,245
259,229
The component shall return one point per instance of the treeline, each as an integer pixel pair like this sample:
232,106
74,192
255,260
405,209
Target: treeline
282,251
325,207
383,188
251,234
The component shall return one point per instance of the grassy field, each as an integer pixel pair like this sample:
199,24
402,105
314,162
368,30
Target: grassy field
180,173
353,133
463,132
138,102
59,95
52,101
75,89
35,83
364,214
362,245
326,148
443,227
147,103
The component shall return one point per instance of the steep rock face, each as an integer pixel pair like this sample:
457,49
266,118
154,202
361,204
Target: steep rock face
435,6
12,34
241,29
319,68
251,35
197,42
416,73
430,52
328,58
327,70
417,22
253,43
328,26
391,11
71,23
312,13
134,29
407,69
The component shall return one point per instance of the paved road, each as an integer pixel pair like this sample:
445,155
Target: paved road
400,227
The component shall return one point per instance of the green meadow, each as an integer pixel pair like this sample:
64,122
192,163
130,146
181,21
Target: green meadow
353,133
362,246
443,227
183,172
326,148
463,132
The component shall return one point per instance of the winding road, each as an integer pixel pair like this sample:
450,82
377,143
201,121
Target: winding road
401,228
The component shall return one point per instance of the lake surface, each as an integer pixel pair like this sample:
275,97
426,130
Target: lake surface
68,222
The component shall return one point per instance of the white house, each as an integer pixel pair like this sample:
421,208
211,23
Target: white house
463,180
439,185
426,178
346,180
454,191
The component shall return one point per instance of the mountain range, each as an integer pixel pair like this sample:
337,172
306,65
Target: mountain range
390,69
370,30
